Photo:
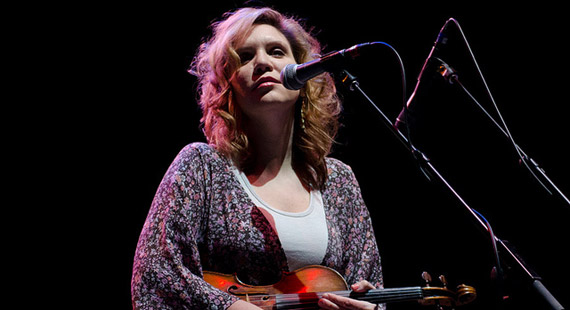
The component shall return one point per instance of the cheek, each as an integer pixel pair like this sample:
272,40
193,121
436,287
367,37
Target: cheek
239,88
239,83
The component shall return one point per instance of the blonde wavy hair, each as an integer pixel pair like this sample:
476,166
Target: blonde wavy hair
317,111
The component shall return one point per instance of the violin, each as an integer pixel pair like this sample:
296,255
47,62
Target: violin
304,287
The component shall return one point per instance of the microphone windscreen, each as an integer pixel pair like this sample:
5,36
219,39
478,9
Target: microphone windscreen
289,77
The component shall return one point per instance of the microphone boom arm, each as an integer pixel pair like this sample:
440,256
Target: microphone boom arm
525,159
425,163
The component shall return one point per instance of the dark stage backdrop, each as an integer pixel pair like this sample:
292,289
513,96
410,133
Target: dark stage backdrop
145,111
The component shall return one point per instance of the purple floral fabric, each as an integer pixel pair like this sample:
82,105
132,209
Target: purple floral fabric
202,219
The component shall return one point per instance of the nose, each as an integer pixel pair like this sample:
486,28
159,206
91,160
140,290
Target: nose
262,63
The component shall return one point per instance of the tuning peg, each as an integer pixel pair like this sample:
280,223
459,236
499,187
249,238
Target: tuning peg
443,280
427,277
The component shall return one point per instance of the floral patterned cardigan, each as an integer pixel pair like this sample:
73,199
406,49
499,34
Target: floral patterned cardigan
202,219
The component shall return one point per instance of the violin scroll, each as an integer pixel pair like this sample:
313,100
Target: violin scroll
442,296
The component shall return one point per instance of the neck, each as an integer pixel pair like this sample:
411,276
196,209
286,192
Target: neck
271,141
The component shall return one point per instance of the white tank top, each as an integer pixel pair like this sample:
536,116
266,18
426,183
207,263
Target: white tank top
303,235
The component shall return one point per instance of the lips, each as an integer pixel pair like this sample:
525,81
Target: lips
266,81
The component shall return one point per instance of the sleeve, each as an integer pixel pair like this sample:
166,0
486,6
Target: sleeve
362,255
167,273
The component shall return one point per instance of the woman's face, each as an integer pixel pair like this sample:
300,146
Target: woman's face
256,84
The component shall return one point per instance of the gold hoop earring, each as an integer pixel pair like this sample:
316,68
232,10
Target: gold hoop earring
303,114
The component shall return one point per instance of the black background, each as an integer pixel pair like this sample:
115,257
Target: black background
134,108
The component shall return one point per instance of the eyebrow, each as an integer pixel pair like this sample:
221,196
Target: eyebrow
270,42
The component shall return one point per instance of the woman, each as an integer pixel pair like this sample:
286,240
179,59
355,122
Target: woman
261,197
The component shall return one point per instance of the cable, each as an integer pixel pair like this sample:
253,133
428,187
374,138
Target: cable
352,82
505,129
440,38
402,70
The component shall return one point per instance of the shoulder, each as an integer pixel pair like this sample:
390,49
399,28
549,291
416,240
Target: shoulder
337,169
199,149
340,176
200,153
197,159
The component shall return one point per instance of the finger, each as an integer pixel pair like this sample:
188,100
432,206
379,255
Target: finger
347,303
362,286
327,304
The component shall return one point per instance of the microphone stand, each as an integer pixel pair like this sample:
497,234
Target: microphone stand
504,246
450,75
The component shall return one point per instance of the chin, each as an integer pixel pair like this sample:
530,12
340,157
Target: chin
281,97
277,103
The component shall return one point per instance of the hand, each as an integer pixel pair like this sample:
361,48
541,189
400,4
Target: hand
335,302
243,305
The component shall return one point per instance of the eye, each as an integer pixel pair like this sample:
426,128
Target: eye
277,52
245,56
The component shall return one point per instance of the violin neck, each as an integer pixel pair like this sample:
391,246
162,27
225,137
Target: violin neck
376,296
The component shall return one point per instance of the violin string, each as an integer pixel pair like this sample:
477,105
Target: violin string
372,294
386,295
295,304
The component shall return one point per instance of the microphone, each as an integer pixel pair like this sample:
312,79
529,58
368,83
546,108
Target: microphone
294,76
441,39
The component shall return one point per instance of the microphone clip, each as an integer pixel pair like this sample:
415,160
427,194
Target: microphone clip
349,80
445,70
